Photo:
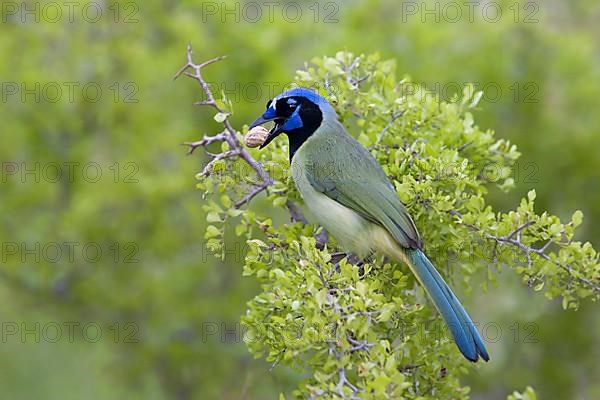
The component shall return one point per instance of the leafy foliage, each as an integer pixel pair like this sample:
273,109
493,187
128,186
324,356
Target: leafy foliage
358,329
177,293
528,394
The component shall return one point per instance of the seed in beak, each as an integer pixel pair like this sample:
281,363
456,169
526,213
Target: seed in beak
256,136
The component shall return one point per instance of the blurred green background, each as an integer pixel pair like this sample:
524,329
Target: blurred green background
106,291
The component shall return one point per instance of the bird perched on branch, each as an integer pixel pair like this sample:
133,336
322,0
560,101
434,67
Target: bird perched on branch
348,192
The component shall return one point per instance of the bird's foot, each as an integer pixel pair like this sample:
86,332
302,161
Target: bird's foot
336,259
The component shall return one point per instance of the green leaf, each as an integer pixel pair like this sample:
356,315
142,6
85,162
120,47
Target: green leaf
211,232
577,218
220,117
213,216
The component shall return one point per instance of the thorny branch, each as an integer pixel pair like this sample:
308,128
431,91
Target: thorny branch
237,150
206,141
228,135
514,239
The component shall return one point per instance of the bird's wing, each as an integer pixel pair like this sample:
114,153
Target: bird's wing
350,175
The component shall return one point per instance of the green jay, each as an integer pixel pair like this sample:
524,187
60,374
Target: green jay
349,194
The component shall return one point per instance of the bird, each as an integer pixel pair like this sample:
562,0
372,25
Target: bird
349,194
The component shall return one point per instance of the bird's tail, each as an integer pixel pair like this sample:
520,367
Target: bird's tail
460,324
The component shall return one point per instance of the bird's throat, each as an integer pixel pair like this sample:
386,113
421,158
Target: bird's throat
297,139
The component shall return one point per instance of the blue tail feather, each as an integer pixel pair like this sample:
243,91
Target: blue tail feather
461,326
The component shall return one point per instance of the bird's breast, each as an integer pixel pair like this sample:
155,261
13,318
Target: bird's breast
344,224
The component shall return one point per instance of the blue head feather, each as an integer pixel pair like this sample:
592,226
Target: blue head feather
311,95
294,121
302,113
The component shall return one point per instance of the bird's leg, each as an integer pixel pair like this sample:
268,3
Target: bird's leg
367,260
354,260
336,258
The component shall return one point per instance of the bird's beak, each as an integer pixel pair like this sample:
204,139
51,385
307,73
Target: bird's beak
269,115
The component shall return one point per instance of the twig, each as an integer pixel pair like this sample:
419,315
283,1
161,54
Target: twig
394,117
514,239
517,232
206,141
295,212
358,345
252,194
228,135
348,69
216,157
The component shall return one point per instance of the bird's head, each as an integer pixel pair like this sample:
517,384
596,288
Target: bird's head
298,113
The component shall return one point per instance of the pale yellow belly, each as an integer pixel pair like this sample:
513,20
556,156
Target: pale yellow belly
353,232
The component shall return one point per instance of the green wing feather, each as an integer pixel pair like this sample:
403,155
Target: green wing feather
342,169
336,165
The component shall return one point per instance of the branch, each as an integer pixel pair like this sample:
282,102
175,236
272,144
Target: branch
216,157
541,253
206,141
297,216
394,117
358,345
514,239
254,192
236,149
348,69
295,212
228,135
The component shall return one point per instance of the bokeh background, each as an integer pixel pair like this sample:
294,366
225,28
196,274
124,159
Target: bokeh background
106,290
